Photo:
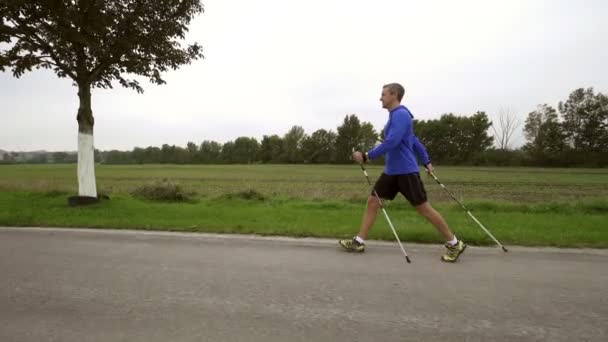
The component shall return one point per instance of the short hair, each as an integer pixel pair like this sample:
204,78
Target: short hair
395,88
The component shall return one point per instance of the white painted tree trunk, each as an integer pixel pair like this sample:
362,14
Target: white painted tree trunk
86,166
86,150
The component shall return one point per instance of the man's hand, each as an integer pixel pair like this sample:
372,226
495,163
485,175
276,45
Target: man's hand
429,168
358,157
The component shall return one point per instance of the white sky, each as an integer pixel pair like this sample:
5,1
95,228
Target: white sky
272,64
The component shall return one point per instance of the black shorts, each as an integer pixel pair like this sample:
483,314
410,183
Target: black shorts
410,185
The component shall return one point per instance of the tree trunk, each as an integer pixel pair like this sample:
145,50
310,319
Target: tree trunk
86,152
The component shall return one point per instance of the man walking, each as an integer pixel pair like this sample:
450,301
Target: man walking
401,174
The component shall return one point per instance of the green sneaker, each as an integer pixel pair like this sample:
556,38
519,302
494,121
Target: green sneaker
352,245
453,252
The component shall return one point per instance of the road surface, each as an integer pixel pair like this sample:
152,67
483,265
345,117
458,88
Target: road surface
105,285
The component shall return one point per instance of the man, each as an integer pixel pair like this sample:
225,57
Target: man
400,174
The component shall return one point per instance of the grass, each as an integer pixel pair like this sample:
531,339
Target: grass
533,207
322,182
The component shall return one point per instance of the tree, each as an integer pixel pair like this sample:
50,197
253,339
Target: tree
440,136
320,147
585,120
245,150
455,139
544,135
63,157
95,43
38,158
119,157
210,152
228,153
292,142
152,155
138,155
368,137
171,154
166,154
271,149
505,128
477,140
192,152
348,138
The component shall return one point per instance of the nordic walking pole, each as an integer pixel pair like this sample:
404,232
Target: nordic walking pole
466,209
407,258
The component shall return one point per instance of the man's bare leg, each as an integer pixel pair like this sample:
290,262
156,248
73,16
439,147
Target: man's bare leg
426,210
454,247
369,217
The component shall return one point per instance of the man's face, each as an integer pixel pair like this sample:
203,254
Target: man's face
387,98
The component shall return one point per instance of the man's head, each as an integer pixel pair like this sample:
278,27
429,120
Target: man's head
392,94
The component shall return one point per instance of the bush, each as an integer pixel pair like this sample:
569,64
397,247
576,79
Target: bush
250,195
163,191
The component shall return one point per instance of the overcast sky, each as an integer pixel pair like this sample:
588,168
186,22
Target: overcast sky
272,64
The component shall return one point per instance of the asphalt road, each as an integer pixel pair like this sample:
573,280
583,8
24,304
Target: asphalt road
104,285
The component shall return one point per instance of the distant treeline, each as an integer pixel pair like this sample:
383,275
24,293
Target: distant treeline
576,134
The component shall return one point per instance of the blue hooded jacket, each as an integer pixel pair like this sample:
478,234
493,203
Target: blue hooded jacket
400,144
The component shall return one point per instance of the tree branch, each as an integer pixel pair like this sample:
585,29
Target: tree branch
42,45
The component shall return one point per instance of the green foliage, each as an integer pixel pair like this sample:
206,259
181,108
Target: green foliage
546,140
292,145
271,149
585,120
455,139
97,42
354,134
320,147
243,150
579,138
346,140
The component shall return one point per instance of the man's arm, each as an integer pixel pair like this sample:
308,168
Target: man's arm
400,123
422,153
